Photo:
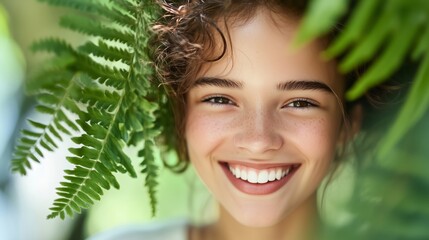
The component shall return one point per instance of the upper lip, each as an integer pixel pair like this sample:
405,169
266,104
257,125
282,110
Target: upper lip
261,165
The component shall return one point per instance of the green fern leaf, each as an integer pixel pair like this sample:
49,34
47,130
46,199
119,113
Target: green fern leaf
96,7
83,93
392,57
368,46
128,6
355,29
150,169
52,45
93,28
322,16
422,45
414,108
77,193
44,137
106,51
83,5
109,76
50,79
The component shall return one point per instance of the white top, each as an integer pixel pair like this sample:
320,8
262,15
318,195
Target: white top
165,230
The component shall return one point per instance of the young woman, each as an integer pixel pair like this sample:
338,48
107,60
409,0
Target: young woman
261,121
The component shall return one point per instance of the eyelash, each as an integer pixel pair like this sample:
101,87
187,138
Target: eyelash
218,100
301,103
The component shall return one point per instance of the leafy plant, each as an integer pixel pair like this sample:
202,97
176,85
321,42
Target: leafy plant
385,32
101,94
392,190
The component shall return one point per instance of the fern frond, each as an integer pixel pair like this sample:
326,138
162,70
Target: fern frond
115,104
322,16
32,142
415,106
128,6
150,169
48,77
105,75
390,198
82,188
82,5
107,52
90,27
95,161
385,34
97,7
391,58
362,16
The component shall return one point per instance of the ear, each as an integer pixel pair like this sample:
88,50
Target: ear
353,125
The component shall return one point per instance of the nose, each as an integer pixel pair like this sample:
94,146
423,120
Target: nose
258,132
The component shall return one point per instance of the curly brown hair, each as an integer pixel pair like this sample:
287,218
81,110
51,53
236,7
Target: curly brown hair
187,36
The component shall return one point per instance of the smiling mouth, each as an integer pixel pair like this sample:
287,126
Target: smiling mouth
259,176
257,180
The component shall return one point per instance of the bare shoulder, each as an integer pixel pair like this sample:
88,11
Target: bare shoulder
172,229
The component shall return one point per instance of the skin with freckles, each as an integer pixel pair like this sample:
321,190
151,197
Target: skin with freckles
263,105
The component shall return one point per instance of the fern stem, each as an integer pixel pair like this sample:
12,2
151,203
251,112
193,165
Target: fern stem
92,168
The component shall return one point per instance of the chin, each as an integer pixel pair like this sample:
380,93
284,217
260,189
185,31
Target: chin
258,222
257,219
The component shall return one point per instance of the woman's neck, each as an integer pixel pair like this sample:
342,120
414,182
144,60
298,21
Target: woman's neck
299,225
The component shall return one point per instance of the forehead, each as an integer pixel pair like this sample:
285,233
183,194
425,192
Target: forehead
262,44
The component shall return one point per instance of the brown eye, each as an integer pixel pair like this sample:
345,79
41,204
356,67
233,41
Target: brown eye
218,100
301,103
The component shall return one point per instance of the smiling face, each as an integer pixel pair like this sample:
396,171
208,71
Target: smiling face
263,122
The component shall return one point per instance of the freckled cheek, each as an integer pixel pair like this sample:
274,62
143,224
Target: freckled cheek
204,132
319,135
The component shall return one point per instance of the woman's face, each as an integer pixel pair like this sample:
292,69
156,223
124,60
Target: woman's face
263,122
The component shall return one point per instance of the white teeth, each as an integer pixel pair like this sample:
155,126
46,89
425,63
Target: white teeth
278,173
252,176
272,175
237,173
244,175
263,176
259,176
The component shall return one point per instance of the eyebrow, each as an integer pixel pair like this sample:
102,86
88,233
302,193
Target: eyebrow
217,82
304,85
289,85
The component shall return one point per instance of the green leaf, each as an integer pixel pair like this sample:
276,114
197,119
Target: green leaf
83,94
415,106
368,46
126,5
355,28
422,45
321,16
94,28
106,51
37,124
53,45
151,171
79,161
389,60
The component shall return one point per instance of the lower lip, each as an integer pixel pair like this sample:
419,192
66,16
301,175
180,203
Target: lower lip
257,188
